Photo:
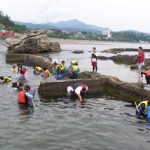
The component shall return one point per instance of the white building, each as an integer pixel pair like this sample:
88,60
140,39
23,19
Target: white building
107,33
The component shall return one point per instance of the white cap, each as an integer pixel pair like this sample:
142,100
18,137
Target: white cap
69,89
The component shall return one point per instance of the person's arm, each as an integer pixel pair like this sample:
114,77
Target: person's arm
143,58
80,98
140,111
30,96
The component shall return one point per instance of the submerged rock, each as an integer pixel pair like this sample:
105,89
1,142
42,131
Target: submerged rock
99,85
29,60
32,43
78,52
120,50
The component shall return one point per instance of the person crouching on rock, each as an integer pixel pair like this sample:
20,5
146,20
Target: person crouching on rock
77,90
37,70
24,96
5,79
46,73
147,75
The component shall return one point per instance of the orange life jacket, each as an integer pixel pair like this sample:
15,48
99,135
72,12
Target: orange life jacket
21,97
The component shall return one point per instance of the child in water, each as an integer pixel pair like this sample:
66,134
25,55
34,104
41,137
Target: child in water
13,69
5,79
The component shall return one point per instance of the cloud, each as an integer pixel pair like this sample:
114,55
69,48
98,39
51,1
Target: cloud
115,14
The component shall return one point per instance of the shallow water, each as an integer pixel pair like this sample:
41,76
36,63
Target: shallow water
63,124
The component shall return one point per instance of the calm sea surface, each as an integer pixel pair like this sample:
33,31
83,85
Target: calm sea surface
59,124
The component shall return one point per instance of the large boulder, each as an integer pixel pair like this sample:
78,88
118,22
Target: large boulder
29,60
99,85
32,43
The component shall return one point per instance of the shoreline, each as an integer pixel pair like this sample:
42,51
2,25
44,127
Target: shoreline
90,42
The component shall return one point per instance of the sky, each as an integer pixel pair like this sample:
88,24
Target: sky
114,14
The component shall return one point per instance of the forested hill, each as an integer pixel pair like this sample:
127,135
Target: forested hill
7,24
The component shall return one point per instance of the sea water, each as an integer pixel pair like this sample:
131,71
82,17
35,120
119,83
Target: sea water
99,124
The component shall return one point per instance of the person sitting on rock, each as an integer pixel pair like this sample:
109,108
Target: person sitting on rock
57,68
46,73
141,110
63,68
74,70
147,75
5,79
37,70
77,90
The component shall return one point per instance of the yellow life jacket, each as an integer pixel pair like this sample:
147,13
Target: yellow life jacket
75,68
13,70
38,68
146,104
62,66
7,79
58,66
73,62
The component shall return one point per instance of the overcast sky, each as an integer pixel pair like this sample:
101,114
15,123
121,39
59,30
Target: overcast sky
115,14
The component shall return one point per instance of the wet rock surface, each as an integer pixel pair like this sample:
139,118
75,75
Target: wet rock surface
120,50
29,60
121,59
99,85
78,51
32,43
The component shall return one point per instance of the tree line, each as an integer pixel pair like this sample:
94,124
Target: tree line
10,25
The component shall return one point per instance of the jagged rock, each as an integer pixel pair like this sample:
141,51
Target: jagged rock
147,64
29,60
99,85
32,43
78,51
121,59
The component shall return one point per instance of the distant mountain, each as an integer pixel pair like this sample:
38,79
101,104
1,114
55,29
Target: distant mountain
71,25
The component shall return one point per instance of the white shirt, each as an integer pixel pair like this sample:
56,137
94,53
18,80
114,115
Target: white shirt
78,90
94,59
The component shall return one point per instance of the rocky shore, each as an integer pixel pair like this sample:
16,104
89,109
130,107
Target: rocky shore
29,60
32,43
120,50
99,85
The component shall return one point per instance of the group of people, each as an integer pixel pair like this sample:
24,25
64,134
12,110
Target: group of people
77,90
59,70
24,97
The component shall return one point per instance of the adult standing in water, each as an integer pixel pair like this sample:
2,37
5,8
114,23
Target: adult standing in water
94,59
141,58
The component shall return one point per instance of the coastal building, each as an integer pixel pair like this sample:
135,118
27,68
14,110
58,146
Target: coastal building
6,34
107,33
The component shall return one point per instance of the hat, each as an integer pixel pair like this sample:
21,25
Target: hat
69,89
84,87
